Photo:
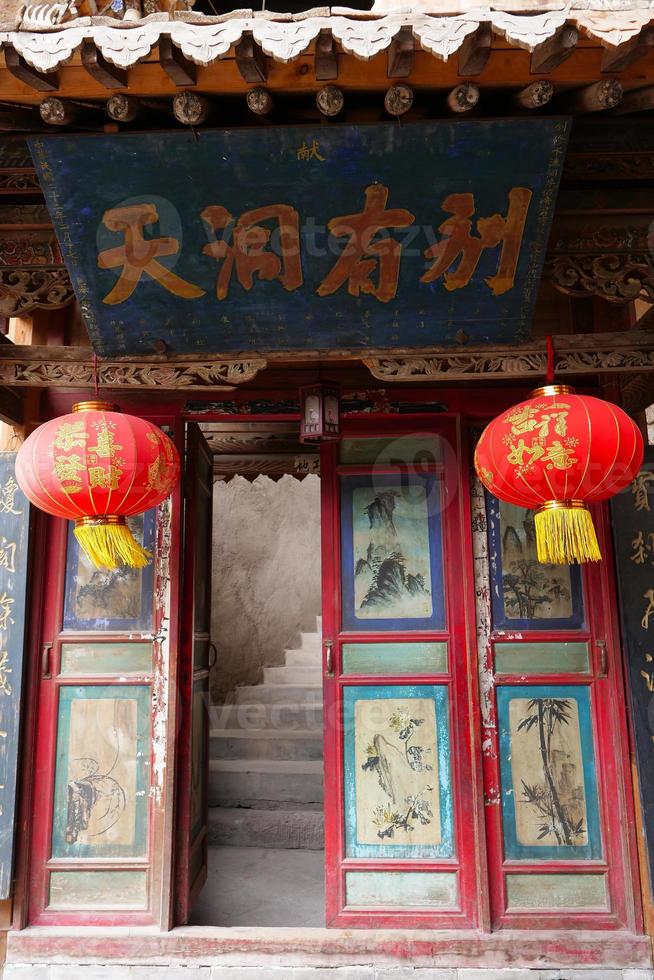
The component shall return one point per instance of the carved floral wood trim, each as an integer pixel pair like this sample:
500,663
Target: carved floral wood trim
284,37
617,278
22,290
458,366
218,375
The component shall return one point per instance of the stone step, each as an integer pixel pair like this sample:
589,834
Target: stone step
293,675
245,782
311,641
276,693
302,658
282,743
240,827
272,715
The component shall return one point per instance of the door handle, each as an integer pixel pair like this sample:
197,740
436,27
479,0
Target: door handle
603,670
329,658
46,672
213,656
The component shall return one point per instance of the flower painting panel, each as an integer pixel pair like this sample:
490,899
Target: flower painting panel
526,593
101,783
549,790
119,599
391,553
397,772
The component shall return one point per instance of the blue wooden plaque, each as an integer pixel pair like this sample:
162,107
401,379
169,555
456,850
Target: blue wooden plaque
633,536
14,540
295,238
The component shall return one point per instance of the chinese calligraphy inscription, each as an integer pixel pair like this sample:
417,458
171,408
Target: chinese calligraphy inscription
633,531
291,238
14,528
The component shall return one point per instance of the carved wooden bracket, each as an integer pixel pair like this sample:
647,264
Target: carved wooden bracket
575,354
604,255
73,367
32,272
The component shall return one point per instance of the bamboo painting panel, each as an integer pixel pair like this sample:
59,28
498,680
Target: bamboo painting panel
391,553
397,772
549,791
101,778
120,599
526,593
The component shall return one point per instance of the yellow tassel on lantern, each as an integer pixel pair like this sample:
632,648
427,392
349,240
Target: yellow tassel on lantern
565,533
108,543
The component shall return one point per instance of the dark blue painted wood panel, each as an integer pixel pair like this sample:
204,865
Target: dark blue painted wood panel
14,541
377,235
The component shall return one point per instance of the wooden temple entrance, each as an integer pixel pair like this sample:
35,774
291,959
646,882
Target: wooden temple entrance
202,213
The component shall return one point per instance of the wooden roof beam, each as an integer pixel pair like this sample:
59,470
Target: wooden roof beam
260,102
41,81
180,69
250,60
398,100
330,101
102,70
597,97
549,55
475,51
534,96
400,54
462,98
326,59
617,59
637,100
191,108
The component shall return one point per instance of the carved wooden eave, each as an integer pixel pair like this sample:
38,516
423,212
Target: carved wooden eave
32,271
581,354
73,367
576,354
38,47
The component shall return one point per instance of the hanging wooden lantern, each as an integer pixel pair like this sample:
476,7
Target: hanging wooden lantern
556,453
320,412
97,467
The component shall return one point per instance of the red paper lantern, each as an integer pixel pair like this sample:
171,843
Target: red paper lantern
97,467
556,453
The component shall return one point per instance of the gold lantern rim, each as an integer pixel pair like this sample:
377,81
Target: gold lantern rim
95,405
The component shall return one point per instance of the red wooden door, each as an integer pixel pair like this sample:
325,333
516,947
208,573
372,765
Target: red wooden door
193,674
403,805
476,754
559,819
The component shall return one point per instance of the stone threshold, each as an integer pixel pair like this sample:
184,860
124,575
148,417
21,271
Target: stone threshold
329,948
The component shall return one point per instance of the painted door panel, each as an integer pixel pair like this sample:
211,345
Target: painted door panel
401,790
559,821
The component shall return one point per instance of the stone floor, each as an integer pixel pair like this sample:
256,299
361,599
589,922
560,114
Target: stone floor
262,886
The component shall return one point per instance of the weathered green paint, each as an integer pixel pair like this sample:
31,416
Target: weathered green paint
401,889
98,889
541,658
394,658
556,891
106,658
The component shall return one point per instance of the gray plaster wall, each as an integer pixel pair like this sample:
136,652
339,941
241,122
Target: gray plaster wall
266,574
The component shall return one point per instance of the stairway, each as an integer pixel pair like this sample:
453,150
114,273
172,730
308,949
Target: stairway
266,768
